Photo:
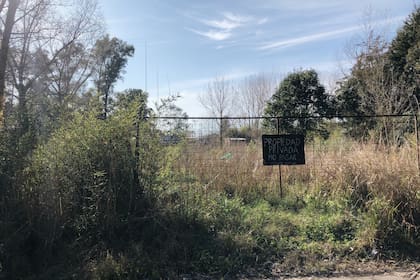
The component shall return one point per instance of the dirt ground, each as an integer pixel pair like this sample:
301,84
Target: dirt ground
394,275
407,275
367,271
351,271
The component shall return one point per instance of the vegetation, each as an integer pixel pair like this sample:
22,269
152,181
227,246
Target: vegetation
299,96
383,80
85,215
111,58
90,189
403,56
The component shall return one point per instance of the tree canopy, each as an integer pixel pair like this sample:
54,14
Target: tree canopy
299,95
404,57
384,80
111,58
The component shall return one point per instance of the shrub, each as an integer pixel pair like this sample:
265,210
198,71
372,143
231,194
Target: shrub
83,187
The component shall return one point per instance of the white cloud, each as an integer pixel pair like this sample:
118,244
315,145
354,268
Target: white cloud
223,28
326,35
229,22
222,24
262,21
201,83
307,39
236,18
300,5
213,34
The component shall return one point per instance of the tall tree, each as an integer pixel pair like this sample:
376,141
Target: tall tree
299,97
135,100
254,92
218,101
67,77
44,30
173,128
5,33
351,104
111,59
365,91
383,80
404,57
218,98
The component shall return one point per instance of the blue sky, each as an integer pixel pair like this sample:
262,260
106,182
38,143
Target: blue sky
189,43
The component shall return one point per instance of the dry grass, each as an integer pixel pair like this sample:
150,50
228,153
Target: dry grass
350,201
338,164
361,173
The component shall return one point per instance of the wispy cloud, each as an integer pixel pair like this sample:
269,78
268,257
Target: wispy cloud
306,39
201,83
300,5
262,21
223,28
223,24
229,22
214,35
284,43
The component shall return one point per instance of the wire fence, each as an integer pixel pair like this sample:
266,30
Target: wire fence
227,152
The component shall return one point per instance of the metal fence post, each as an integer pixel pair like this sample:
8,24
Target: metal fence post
416,130
281,186
221,132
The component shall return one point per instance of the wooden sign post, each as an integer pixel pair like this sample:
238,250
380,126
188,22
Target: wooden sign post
287,149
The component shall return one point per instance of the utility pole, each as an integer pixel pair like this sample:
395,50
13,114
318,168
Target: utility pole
145,66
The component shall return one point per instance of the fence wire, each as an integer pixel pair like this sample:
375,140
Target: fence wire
226,152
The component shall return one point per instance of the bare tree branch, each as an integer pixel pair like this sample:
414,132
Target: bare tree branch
4,51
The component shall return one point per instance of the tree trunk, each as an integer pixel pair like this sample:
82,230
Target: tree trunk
2,3
23,114
4,50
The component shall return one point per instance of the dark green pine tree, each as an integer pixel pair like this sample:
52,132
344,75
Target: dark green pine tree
404,57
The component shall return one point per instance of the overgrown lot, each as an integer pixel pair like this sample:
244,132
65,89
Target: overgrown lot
78,212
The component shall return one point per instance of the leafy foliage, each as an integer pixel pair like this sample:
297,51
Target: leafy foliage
383,80
84,174
299,97
111,56
350,103
404,56
102,198
80,188
176,128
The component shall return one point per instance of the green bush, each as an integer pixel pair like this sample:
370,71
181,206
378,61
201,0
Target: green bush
84,178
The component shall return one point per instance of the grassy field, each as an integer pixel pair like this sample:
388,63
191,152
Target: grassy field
351,202
205,211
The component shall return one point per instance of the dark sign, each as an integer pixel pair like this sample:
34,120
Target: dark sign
283,149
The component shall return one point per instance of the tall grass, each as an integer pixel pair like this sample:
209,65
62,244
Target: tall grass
341,163
207,210
377,185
